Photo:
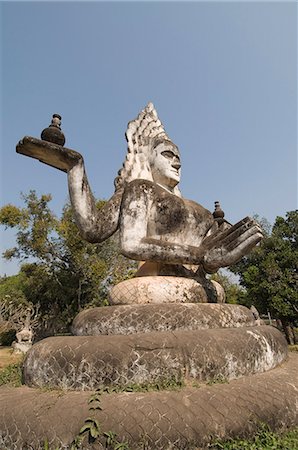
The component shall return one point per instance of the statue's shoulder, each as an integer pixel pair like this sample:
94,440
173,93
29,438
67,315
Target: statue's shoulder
140,186
197,205
200,210
140,182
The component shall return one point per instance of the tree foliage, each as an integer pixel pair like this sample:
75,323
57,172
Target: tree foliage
67,273
269,273
15,310
234,292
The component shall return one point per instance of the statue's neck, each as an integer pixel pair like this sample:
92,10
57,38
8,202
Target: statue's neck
166,188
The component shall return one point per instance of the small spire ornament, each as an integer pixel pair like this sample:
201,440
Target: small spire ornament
53,133
218,213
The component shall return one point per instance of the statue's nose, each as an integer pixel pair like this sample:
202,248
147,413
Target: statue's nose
176,165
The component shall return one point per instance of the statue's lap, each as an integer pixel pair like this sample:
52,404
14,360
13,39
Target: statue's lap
164,290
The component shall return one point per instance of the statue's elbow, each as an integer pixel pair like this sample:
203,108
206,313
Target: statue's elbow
130,249
90,236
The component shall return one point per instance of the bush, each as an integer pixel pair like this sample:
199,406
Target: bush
7,334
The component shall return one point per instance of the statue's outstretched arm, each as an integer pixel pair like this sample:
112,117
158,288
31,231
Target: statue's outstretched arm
95,225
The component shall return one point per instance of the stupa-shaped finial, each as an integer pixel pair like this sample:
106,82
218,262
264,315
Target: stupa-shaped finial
53,133
218,212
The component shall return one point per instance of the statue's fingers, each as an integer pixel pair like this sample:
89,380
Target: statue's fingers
244,224
220,236
240,233
246,240
232,234
246,219
247,246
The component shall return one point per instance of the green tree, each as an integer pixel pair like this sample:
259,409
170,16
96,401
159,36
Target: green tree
12,288
234,292
13,306
68,273
269,273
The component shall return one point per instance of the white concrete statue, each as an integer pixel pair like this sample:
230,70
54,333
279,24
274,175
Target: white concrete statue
157,225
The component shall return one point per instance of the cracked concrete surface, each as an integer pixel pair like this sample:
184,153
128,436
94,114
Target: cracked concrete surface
184,342
130,319
189,418
87,362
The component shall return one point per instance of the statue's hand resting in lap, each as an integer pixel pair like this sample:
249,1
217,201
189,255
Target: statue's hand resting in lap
225,248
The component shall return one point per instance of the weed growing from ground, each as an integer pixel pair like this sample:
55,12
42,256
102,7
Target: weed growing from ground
293,348
217,380
11,375
264,439
91,430
163,385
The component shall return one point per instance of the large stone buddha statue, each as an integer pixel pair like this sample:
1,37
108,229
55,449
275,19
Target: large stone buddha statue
169,235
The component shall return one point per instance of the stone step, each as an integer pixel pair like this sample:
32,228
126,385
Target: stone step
130,319
188,418
88,362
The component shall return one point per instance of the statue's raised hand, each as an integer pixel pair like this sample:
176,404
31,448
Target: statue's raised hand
225,248
52,154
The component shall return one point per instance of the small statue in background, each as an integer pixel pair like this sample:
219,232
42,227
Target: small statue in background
24,341
25,334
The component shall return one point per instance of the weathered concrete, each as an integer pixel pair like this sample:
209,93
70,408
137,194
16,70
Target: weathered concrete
182,241
164,289
49,153
186,419
156,225
87,362
155,222
130,319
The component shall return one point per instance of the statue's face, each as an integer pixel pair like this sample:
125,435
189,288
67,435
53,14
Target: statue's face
165,165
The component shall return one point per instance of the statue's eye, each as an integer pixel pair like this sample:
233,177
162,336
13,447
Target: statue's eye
168,154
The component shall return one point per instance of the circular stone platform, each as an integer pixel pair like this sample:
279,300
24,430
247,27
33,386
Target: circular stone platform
164,289
88,362
130,319
186,419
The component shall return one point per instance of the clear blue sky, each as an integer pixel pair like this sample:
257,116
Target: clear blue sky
222,75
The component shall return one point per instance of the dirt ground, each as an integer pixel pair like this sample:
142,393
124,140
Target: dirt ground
7,357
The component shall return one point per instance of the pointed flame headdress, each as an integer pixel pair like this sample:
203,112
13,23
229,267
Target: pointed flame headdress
140,135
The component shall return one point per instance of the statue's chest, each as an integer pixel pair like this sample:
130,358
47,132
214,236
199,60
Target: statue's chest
175,218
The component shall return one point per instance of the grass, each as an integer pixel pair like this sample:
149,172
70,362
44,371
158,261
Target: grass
217,380
167,384
7,357
11,375
265,439
10,367
293,348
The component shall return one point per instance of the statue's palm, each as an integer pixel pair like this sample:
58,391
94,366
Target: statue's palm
225,248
